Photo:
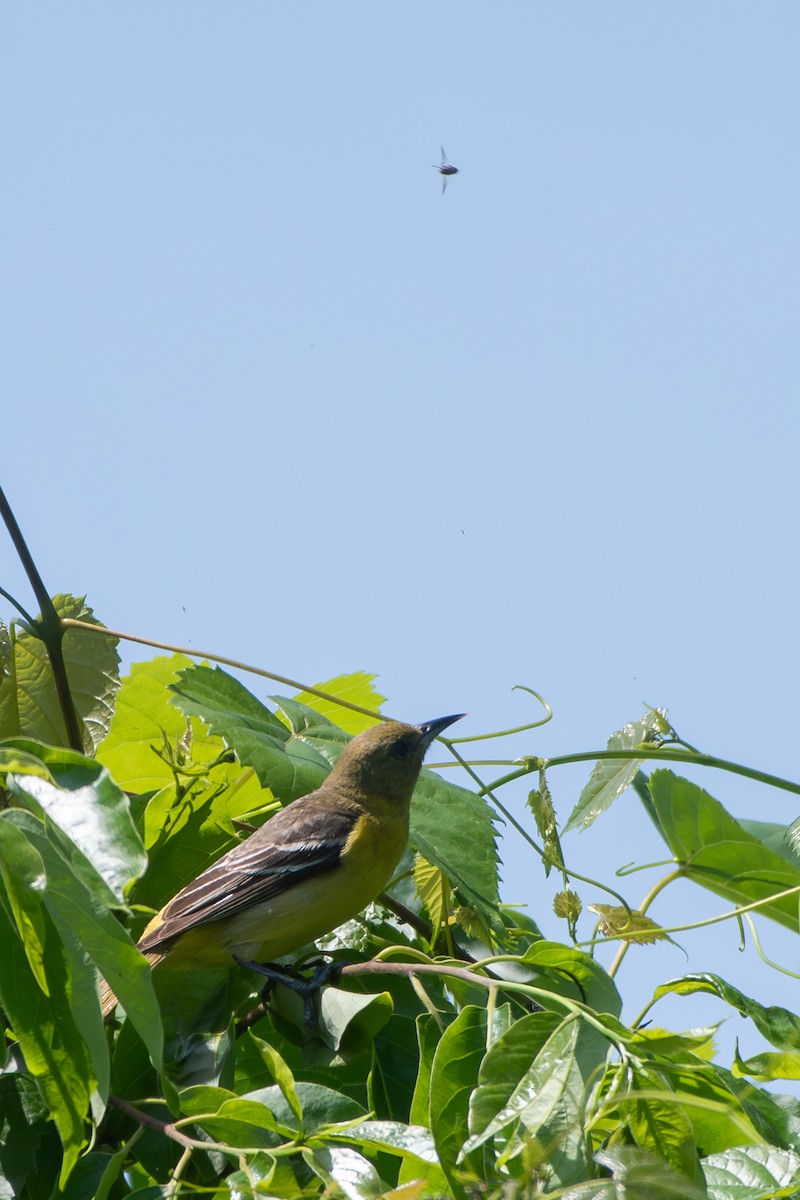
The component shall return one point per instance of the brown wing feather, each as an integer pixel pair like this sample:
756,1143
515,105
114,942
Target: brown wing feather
305,839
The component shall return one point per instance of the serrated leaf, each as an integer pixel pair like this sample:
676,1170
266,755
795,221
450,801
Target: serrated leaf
145,713
29,704
289,765
634,926
433,889
454,830
611,777
356,688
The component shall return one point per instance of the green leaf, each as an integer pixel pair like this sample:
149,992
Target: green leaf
715,851
611,777
145,715
28,699
280,1072
346,1172
30,1153
433,889
322,1106
392,1137
290,766
768,1066
356,688
78,912
778,1025
55,1054
774,837
661,1125
573,973
544,1115
752,1173
454,1074
507,1062
24,877
639,1175
454,830
83,802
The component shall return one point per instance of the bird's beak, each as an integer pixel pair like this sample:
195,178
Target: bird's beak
432,729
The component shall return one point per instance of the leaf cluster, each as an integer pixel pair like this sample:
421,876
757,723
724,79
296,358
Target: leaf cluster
462,1054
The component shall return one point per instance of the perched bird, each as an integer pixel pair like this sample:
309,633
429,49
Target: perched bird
445,168
315,864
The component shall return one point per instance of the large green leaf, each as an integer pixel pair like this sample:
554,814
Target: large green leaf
637,1174
28,699
81,800
752,1173
55,1053
545,1108
454,1074
286,763
715,851
134,749
453,829
87,927
778,1025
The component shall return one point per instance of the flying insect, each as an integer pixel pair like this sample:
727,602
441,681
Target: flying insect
445,169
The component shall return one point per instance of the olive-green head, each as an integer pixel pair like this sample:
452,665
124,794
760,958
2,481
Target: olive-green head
385,759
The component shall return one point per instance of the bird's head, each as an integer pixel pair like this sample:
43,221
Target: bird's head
386,759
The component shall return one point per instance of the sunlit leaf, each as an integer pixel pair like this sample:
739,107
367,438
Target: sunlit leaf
29,704
356,688
752,1173
611,777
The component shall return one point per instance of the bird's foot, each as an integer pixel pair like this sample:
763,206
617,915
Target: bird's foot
307,988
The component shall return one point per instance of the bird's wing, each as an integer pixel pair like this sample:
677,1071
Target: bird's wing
444,156
304,839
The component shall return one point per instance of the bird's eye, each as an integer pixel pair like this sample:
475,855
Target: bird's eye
400,750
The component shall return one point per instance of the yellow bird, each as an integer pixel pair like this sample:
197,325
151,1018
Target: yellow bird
314,865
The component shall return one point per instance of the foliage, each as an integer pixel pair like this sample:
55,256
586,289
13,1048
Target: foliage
461,1054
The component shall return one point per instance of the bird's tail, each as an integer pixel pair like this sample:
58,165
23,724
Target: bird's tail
108,998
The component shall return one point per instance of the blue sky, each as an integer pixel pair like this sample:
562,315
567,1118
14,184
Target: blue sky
269,393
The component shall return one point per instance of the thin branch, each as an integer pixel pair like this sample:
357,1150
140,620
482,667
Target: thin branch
49,628
150,1122
192,652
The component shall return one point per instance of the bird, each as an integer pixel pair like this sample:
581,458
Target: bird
445,168
315,864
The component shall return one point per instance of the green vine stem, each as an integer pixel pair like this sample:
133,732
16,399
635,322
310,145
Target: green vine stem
193,652
519,687
654,755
